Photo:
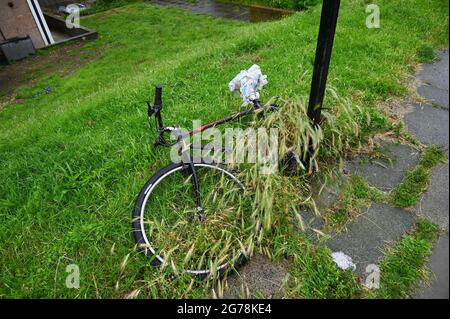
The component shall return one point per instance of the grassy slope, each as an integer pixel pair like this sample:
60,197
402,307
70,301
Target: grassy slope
73,161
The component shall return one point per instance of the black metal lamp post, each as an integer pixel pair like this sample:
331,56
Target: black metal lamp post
328,21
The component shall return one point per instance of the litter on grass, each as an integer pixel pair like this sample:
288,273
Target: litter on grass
343,261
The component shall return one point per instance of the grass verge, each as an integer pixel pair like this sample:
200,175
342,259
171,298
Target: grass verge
403,264
409,192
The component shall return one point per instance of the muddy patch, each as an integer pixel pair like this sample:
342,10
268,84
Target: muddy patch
60,61
258,278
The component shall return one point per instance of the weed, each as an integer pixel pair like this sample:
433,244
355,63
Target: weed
314,274
404,263
356,194
432,156
408,193
426,54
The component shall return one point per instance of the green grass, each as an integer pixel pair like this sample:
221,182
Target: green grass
404,264
409,192
314,274
73,161
426,54
432,156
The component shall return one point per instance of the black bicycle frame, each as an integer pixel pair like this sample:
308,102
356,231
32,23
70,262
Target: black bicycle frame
185,152
328,21
255,110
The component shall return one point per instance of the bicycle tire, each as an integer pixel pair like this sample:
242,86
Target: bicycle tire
144,243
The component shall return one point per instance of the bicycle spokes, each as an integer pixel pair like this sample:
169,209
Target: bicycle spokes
198,243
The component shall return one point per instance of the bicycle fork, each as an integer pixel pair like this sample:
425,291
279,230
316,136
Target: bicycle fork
188,161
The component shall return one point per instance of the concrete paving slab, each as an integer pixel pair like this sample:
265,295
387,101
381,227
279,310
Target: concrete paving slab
436,74
434,204
365,239
386,174
312,223
438,265
324,197
429,125
260,276
435,95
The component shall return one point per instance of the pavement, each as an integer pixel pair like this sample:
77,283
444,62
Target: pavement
259,277
429,124
366,239
434,204
381,225
438,289
385,173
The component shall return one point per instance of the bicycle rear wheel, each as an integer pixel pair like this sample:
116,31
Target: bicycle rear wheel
165,230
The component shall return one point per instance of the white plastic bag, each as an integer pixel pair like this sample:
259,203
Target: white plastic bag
249,83
343,261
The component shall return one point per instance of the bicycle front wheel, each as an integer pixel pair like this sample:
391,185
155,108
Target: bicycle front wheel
166,228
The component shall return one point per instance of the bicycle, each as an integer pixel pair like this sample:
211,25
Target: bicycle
213,206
